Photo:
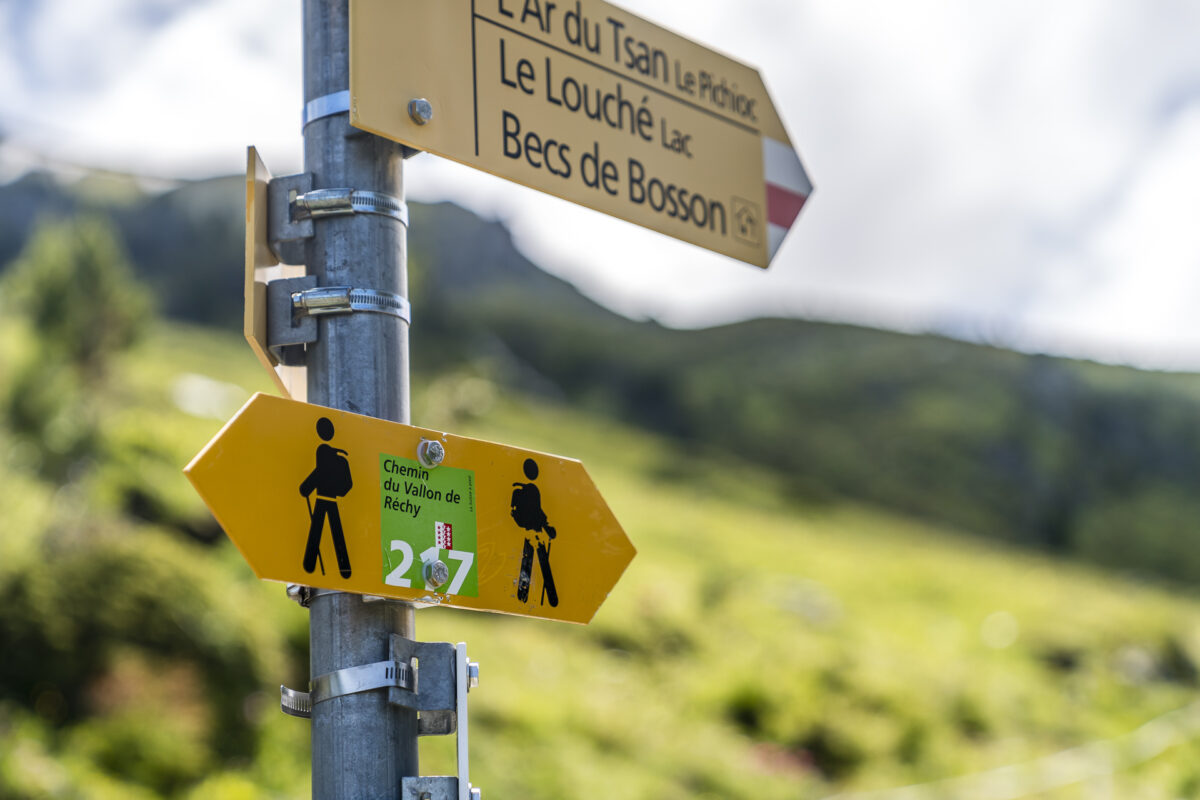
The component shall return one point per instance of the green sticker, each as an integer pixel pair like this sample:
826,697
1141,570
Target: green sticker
428,514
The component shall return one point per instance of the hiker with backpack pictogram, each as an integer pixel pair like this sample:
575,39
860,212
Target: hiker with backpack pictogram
526,509
330,479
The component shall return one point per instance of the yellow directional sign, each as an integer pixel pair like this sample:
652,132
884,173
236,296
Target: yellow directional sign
587,102
335,500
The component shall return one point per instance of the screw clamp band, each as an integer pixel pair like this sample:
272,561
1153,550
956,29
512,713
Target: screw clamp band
325,106
351,680
364,678
336,202
325,300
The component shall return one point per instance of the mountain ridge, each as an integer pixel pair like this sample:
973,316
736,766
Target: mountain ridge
1076,457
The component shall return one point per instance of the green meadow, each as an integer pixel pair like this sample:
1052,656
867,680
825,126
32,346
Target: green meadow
759,646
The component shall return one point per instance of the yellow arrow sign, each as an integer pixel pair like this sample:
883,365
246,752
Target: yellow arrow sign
335,500
587,102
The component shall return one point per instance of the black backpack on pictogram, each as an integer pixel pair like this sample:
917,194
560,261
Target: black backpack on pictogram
527,507
335,479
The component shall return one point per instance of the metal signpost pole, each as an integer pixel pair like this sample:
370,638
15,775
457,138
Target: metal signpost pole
361,745
345,219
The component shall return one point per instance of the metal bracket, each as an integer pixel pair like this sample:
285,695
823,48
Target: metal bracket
288,332
434,788
431,678
434,697
285,234
447,677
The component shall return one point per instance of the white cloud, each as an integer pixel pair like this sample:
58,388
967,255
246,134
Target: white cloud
1139,275
194,93
168,87
1019,167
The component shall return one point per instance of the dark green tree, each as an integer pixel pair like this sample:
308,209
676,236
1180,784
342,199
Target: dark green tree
74,285
73,291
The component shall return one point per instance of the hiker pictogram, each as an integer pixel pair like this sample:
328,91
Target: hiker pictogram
401,516
330,479
526,508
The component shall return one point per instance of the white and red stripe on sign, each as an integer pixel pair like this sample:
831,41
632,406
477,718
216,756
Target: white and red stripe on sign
788,187
444,535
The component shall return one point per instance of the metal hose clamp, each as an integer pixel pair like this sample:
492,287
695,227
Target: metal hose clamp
325,106
325,300
321,203
351,680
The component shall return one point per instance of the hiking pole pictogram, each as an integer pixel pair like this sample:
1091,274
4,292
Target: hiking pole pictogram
321,561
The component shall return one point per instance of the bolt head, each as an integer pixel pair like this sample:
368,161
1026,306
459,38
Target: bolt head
472,674
436,573
421,111
430,452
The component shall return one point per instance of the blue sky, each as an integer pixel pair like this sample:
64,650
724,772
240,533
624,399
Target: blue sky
1026,173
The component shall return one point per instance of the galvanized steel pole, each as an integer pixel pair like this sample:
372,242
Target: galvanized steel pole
361,745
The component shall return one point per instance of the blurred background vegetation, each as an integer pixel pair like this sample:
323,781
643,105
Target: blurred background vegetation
866,559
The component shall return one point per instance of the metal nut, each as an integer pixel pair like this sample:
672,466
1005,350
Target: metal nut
472,675
421,111
436,573
299,594
430,452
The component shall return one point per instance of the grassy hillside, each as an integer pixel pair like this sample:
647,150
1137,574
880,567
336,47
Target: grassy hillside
1073,458
1076,458
761,645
